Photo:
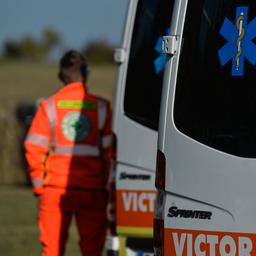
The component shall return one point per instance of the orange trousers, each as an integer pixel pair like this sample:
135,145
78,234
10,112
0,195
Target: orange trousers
56,209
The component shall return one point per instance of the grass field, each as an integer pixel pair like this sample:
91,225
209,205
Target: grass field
18,224
25,82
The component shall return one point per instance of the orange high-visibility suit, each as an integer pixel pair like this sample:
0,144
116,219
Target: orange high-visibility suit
68,152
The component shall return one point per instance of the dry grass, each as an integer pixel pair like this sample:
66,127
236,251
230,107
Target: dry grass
26,81
18,224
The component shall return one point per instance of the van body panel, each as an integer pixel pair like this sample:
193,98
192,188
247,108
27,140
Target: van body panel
131,133
135,121
137,133
196,228
215,175
170,72
189,214
136,152
135,198
208,142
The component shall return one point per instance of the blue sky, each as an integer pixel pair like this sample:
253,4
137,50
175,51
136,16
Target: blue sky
79,21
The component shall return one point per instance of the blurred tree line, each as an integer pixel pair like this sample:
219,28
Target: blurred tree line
31,48
98,51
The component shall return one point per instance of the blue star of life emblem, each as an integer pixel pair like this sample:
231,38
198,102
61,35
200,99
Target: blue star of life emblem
161,60
239,44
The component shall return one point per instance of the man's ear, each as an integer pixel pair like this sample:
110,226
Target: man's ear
60,76
84,71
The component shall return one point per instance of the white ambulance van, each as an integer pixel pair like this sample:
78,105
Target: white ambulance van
135,123
206,165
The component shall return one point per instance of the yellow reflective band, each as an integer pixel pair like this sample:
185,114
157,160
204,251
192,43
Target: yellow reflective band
77,150
135,231
76,104
122,245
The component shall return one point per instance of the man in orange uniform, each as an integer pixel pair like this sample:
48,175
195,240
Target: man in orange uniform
68,151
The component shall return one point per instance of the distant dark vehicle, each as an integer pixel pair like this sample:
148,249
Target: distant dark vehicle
24,114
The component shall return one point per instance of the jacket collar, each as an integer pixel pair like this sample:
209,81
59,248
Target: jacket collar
75,84
78,85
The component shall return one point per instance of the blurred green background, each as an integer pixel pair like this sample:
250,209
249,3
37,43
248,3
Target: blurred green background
24,82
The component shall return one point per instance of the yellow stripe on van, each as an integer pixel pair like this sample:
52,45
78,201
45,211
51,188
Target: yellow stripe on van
122,246
135,231
76,104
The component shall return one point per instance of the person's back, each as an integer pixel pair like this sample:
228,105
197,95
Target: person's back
68,150
77,133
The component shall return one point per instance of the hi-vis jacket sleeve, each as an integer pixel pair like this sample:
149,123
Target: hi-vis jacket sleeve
37,146
107,141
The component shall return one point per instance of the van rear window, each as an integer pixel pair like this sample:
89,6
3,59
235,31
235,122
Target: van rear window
146,62
215,101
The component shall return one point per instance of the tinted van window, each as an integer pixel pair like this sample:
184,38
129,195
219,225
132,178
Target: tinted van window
146,62
215,101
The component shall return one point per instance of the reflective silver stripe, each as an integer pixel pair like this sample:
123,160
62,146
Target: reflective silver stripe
77,150
37,182
102,113
106,141
38,139
52,117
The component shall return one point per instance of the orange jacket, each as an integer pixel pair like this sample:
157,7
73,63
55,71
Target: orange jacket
69,142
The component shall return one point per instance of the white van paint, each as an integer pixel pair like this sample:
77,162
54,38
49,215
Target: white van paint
135,124
207,132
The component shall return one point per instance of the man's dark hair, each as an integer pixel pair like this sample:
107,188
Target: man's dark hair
72,64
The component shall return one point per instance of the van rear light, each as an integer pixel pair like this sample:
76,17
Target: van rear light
114,146
112,208
158,237
159,223
112,189
160,170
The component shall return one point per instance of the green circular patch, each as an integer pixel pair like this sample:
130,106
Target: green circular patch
75,126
